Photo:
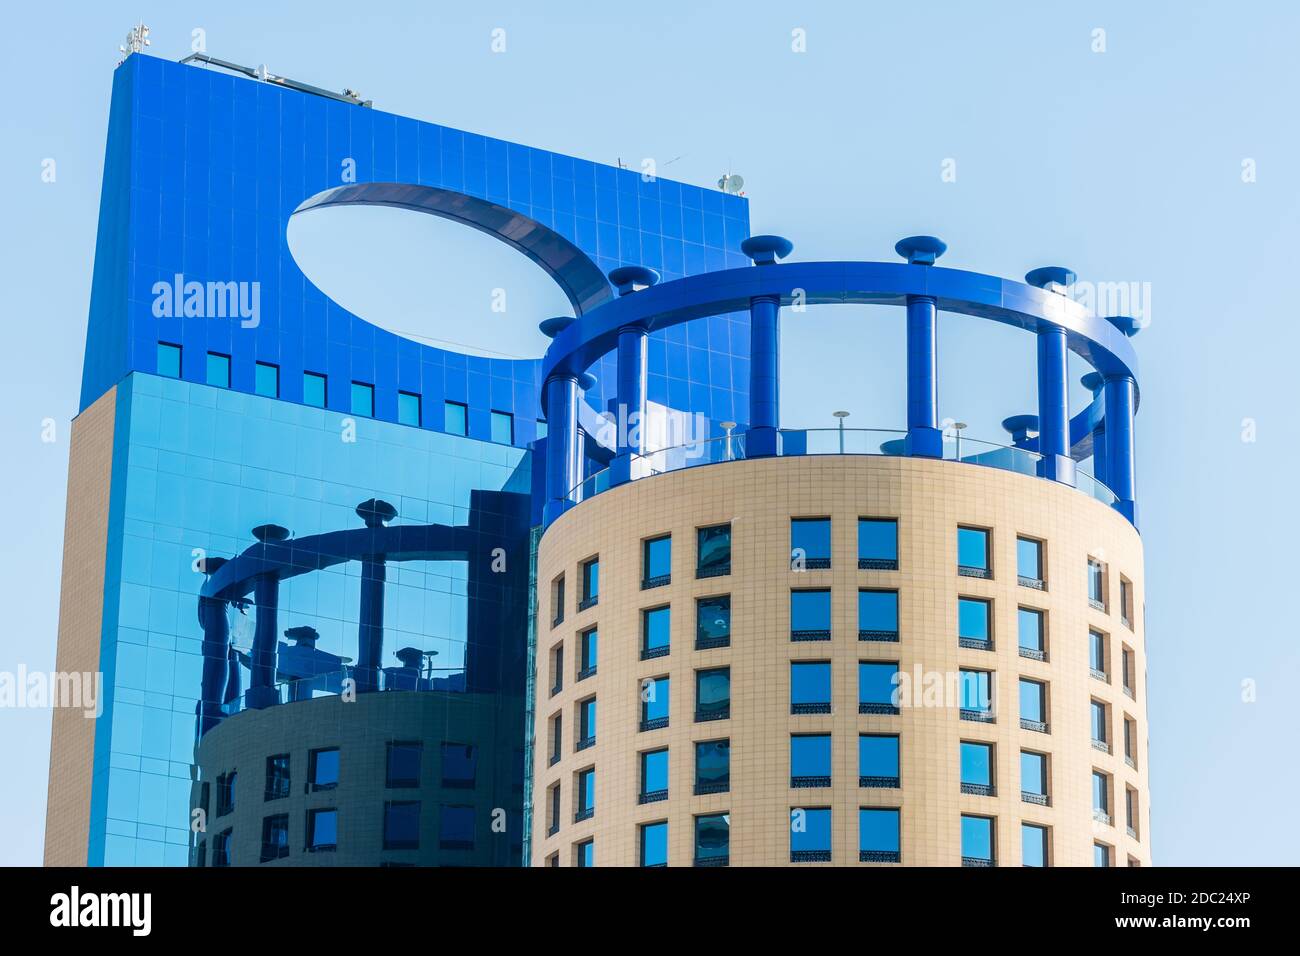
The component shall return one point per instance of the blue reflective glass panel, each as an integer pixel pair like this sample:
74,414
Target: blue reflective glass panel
976,763
654,844
877,539
408,409
876,682
877,755
977,837
313,389
973,619
266,380
810,682
973,548
363,399
218,370
878,829
169,360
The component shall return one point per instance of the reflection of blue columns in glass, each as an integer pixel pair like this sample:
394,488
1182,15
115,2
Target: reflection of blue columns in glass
216,653
1120,392
1093,382
266,634
764,352
630,410
370,613
1053,389
923,435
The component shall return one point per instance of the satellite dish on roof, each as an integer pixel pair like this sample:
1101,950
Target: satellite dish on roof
731,184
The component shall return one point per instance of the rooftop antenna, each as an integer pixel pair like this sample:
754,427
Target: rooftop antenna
136,40
732,184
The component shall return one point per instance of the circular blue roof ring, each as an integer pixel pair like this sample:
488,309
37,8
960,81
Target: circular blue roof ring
1093,381
921,250
626,278
1050,277
1126,324
766,250
553,327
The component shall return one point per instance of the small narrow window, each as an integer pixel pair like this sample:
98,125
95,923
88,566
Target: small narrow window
313,389
408,409
503,428
218,371
455,418
266,380
169,363
363,399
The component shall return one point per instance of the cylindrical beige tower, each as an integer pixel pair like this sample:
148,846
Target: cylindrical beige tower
1017,711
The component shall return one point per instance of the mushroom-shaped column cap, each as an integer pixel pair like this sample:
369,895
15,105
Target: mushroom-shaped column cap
627,278
270,533
210,566
895,446
1020,426
553,327
410,656
1093,381
921,250
586,381
1051,277
303,635
765,250
376,513
1126,324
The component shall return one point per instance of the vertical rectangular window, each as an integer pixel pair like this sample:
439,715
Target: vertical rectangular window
322,830
455,418
878,761
1096,584
503,428
810,544
557,601
877,687
277,776
713,622
408,409
589,643
977,841
1029,627
1029,562
654,703
974,620
878,835
455,827
553,802
590,584
1100,854
1131,811
1033,777
323,768
977,768
585,795
557,669
713,694
810,760
313,390
1098,722
877,544
1126,602
973,553
586,723
654,844
877,615
221,848
1126,670
713,551
810,687
810,835
810,615
1097,654
1033,705
655,632
226,793
169,365
1101,796
363,399
1033,845
585,854
712,766
654,776
656,561
713,839
976,689
266,379
557,738
403,763
459,765
402,825
218,371
1130,741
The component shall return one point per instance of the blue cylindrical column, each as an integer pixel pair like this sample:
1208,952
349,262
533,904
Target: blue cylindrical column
1094,382
631,383
1120,393
370,611
764,352
563,451
924,438
216,653
266,632
1053,390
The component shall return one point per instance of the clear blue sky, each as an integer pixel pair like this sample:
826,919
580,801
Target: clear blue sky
1124,165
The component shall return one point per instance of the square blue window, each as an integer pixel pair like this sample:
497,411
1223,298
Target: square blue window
877,614
218,373
977,839
713,766
654,774
810,760
455,418
713,694
402,825
654,699
810,686
656,627
1032,702
1033,845
976,764
877,681
810,615
322,829
878,543
810,835
878,833
313,389
712,839
503,428
976,691
266,380
810,543
1033,773
973,549
973,620
878,758
657,560
654,844
363,399
1029,559
1029,624
456,827
169,360
408,409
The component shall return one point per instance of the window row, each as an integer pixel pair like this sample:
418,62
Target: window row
361,395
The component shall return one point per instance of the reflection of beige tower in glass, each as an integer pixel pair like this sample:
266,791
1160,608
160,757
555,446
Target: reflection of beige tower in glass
725,691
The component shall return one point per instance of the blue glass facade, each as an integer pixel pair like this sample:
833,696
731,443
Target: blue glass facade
247,399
